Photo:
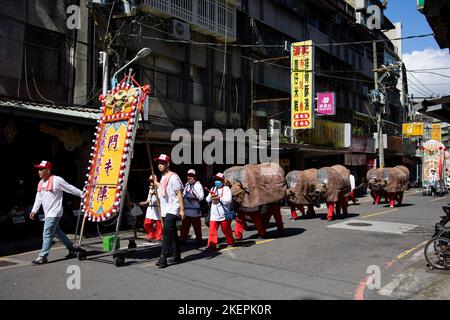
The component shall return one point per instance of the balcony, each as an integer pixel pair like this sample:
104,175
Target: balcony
213,17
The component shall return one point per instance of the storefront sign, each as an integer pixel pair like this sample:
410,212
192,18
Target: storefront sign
326,103
363,144
414,129
394,144
302,85
355,159
436,132
329,133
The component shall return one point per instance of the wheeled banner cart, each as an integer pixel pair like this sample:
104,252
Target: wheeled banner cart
105,187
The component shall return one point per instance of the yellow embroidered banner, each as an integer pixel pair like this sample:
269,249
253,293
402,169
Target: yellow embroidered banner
111,156
302,85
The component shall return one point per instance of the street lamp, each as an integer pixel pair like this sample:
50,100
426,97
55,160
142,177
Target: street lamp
141,54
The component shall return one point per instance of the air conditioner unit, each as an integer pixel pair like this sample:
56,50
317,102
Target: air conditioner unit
180,29
287,131
274,125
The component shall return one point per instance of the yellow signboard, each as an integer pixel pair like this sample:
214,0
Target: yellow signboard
109,167
414,129
302,85
436,132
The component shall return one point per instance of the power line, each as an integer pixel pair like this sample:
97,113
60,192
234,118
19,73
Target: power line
412,74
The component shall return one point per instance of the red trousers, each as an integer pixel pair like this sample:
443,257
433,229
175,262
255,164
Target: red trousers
226,229
395,197
294,213
275,211
186,225
240,222
149,228
352,196
344,205
330,206
310,212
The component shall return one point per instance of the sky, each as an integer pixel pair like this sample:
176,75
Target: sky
422,54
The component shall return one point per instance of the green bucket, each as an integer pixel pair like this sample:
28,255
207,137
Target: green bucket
108,243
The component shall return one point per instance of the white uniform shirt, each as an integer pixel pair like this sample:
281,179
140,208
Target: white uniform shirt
192,194
52,201
169,203
152,209
352,182
217,210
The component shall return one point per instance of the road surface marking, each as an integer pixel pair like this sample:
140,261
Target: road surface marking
404,254
374,226
437,199
359,293
379,213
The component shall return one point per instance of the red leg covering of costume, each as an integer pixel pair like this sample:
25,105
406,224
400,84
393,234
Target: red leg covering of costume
330,206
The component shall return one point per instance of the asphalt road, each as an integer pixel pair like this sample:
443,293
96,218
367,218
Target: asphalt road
315,260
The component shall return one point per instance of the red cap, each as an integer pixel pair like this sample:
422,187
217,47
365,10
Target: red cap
163,158
44,165
191,172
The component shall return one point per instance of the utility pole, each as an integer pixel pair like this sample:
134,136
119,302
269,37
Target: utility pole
252,93
379,109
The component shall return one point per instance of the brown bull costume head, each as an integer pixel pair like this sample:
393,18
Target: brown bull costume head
301,186
332,183
372,179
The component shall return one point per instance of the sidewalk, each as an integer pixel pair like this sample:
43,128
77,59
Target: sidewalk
417,282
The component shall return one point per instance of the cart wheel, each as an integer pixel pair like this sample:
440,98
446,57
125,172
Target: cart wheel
81,254
132,244
119,260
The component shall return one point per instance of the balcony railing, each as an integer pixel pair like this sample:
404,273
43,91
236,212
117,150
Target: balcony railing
214,17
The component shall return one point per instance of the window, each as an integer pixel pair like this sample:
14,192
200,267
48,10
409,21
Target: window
45,58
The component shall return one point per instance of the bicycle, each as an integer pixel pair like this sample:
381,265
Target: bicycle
437,249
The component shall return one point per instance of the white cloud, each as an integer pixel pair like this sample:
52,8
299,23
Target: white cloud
428,59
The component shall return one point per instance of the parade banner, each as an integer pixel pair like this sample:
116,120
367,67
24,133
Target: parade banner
112,151
302,85
433,159
414,129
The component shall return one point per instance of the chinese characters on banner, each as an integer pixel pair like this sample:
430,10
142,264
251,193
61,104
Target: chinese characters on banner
302,85
414,129
436,132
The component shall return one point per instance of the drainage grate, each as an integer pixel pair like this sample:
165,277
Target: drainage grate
4,263
359,224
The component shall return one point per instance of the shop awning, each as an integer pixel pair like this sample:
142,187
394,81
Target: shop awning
48,111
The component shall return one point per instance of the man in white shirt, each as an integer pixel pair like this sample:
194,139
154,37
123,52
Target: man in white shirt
170,194
49,195
193,193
